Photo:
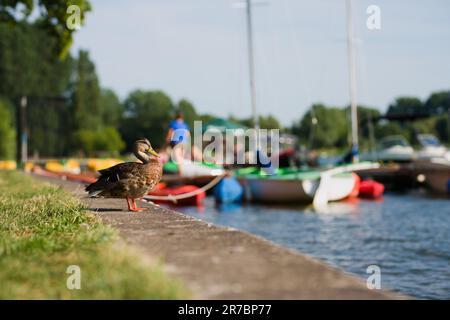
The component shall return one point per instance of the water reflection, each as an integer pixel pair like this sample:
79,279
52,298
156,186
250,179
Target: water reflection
406,235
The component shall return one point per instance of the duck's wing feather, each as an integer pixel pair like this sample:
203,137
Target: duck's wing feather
113,177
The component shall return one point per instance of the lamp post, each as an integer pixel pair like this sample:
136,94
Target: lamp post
22,132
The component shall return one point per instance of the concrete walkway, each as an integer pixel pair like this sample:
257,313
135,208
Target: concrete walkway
222,263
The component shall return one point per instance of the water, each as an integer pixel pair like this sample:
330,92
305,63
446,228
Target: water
407,236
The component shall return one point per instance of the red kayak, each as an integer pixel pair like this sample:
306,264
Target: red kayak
356,190
162,191
370,189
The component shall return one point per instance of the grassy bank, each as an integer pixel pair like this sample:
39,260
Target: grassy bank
44,230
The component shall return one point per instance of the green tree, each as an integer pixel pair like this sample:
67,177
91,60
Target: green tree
48,123
111,108
442,128
206,117
367,121
323,127
29,67
67,112
265,122
438,102
106,141
7,132
95,113
86,111
109,141
188,110
406,105
147,114
52,17
388,128
247,122
269,122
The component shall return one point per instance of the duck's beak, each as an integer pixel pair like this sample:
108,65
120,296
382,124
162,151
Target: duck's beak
153,152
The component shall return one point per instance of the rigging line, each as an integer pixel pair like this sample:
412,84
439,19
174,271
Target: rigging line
243,77
352,76
360,58
363,82
267,60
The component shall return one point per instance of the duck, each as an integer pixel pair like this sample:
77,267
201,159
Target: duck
130,180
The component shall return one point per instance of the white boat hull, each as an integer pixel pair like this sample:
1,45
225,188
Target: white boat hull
296,190
194,169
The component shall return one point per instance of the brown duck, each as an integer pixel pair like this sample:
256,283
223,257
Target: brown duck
130,180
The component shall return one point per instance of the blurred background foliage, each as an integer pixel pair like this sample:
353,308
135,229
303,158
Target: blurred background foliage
70,114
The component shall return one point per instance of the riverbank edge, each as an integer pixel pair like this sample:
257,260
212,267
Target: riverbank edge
223,263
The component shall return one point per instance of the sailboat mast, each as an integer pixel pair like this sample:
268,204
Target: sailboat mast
352,82
251,64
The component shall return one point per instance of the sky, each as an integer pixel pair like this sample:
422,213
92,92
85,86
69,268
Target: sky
197,50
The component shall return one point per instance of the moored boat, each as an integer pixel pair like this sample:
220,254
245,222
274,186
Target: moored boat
391,149
301,186
432,149
295,186
191,195
436,175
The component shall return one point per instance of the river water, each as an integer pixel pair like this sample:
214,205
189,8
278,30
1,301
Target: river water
407,236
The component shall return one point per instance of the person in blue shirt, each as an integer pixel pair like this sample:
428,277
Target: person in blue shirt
177,137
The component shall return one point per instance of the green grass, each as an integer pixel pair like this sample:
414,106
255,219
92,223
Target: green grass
43,230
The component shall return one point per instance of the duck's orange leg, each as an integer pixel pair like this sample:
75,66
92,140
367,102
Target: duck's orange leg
134,206
130,205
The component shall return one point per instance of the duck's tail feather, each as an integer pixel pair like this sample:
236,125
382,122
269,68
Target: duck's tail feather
94,189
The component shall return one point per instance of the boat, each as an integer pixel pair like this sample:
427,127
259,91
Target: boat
438,182
194,169
309,185
435,173
191,195
195,173
293,186
76,177
431,148
391,149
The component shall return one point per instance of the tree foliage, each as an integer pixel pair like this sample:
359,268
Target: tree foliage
265,122
52,18
188,110
438,102
407,105
94,112
7,132
63,95
69,113
106,141
329,127
147,114
29,67
111,108
323,127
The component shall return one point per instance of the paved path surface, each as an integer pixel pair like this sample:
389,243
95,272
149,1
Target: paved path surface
222,263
